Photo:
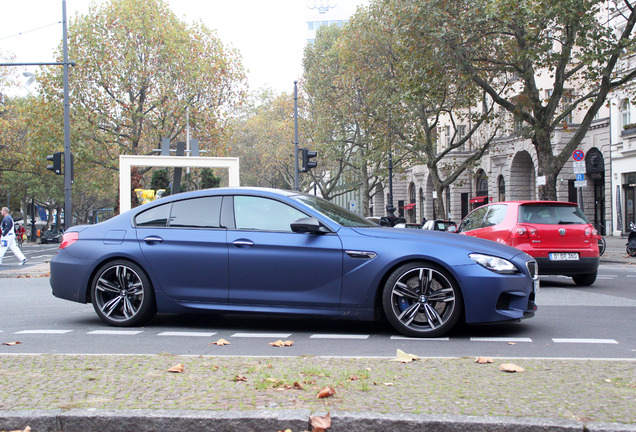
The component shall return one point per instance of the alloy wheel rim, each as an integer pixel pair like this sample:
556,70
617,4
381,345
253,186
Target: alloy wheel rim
423,299
119,293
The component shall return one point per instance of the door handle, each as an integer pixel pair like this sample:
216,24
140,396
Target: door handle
153,239
243,243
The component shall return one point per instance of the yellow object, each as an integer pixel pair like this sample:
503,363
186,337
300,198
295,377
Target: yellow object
147,195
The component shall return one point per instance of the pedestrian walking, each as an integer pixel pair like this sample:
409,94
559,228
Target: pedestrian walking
8,237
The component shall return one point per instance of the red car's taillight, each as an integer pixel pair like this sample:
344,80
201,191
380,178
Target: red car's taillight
68,239
523,234
524,231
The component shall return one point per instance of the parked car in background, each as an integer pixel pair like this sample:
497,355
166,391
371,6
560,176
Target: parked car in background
52,236
256,251
557,234
407,225
439,225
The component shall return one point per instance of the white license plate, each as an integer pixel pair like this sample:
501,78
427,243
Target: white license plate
536,286
564,256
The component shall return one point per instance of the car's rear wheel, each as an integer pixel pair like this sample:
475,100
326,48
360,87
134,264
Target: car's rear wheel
122,294
584,280
422,300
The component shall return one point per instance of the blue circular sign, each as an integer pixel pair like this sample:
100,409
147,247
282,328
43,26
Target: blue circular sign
578,155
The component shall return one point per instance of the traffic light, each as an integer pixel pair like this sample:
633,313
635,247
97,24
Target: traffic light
56,158
307,162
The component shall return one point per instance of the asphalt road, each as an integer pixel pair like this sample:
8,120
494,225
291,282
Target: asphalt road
572,322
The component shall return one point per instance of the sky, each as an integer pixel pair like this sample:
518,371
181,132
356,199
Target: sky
270,34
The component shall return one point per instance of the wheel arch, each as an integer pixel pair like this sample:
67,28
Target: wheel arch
377,302
107,260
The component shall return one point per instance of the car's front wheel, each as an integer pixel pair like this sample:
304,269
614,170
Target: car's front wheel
422,300
122,294
585,279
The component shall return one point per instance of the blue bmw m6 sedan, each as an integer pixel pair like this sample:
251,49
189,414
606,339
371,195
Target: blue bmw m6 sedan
254,250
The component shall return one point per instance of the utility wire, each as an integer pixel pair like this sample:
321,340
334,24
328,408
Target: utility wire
29,31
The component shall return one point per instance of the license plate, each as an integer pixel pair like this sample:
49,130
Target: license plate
536,286
564,256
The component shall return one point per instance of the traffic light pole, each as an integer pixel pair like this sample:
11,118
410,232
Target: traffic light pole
68,163
296,186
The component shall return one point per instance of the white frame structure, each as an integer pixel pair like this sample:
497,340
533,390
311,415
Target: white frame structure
128,161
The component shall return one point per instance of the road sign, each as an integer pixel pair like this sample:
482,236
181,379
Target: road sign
580,177
580,184
579,167
578,155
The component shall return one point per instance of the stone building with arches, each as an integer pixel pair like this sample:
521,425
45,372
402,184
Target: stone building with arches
507,172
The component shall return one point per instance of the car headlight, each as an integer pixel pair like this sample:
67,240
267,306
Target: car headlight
496,264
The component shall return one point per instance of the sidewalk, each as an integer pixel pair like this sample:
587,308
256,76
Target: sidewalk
105,393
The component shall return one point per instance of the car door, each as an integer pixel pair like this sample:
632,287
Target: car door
186,249
271,265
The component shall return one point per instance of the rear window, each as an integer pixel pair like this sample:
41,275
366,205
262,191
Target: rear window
552,215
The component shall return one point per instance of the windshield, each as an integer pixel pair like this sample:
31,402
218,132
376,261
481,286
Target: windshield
334,212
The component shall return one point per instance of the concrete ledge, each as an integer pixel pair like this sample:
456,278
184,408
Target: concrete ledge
94,420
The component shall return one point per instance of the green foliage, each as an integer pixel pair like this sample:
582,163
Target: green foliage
208,179
160,180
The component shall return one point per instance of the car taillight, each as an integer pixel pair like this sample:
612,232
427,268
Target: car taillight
68,239
590,231
524,231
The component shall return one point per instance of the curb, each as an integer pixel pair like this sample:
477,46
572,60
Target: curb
296,420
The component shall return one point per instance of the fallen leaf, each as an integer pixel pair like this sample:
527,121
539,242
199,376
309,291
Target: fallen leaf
240,378
352,378
280,343
176,369
12,343
512,343
220,342
403,357
484,360
326,392
298,385
319,424
510,367
388,384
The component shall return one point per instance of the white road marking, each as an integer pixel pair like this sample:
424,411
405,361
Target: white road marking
338,336
43,331
583,340
499,339
186,334
115,332
262,335
445,339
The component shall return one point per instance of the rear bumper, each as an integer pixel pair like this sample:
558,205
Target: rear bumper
567,268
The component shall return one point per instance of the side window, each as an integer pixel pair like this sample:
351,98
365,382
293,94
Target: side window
473,220
154,217
496,215
196,213
264,214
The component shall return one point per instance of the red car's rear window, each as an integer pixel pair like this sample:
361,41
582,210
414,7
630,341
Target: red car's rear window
551,214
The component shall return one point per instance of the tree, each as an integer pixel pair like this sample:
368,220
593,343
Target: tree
139,71
263,132
412,94
208,179
351,145
509,48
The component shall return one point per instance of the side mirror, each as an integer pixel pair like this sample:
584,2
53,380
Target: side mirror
452,228
309,225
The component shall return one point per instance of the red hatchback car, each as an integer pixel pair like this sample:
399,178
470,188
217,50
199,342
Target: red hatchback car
556,234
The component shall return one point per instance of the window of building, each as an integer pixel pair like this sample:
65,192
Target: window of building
625,114
501,185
